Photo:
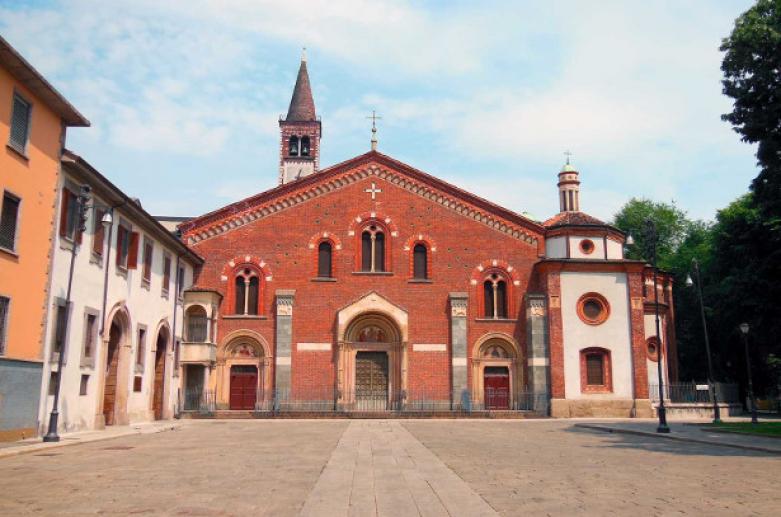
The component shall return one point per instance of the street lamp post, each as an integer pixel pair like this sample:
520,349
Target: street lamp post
81,213
744,332
650,238
711,378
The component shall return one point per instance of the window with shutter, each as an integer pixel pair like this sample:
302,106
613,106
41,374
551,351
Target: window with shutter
595,370
594,373
4,306
148,254
20,124
70,226
123,245
8,219
98,231
132,251
166,274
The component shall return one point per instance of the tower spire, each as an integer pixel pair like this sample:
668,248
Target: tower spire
302,104
374,118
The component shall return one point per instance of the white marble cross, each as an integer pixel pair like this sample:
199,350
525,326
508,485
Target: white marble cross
373,191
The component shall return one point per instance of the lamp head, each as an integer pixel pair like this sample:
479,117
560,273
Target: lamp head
630,240
689,281
107,220
744,328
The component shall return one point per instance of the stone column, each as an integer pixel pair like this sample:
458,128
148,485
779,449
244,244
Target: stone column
537,356
284,338
458,348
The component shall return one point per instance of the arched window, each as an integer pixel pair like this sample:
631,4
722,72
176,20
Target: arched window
304,146
420,262
495,297
247,292
373,249
252,295
595,370
240,292
324,252
196,324
293,146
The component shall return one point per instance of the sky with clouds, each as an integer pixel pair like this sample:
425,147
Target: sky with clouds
184,96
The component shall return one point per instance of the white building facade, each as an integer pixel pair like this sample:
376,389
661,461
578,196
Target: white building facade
122,331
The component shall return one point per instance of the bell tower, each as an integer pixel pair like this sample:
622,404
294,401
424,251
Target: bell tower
300,130
569,187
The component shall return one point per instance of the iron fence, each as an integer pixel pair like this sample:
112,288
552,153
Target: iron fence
333,401
694,393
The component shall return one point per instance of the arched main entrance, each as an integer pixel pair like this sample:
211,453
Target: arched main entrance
158,386
495,375
243,379
113,404
370,364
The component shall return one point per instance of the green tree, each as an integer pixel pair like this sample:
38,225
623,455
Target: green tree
671,227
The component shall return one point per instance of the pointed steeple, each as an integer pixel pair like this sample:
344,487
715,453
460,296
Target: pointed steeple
302,105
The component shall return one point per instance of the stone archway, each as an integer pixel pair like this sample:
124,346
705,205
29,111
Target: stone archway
496,372
372,363
112,404
244,359
159,385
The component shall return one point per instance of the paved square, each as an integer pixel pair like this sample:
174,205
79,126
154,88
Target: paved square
389,467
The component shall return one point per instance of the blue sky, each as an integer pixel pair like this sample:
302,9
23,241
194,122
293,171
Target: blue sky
184,95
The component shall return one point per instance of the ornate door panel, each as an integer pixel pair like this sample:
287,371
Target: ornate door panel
243,387
371,381
496,381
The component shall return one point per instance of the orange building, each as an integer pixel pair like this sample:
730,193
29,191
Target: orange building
33,122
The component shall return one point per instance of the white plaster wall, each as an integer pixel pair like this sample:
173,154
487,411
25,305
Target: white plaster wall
615,250
556,247
597,254
146,306
613,334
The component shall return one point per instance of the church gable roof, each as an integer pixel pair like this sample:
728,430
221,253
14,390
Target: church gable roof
348,172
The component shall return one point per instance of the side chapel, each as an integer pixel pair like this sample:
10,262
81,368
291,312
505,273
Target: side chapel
371,285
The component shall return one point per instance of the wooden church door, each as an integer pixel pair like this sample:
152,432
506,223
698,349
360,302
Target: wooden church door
243,386
496,382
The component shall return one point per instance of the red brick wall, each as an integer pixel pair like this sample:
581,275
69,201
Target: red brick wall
282,239
639,355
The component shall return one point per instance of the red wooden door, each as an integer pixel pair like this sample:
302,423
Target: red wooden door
496,382
244,385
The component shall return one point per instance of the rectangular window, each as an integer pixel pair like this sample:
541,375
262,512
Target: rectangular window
60,327
54,379
4,306
98,231
90,335
166,274
148,253
595,373
137,383
127,247
8,219
84,384
70,226
141,348
20,124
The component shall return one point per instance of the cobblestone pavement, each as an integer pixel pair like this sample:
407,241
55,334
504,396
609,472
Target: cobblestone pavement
549,467
387,467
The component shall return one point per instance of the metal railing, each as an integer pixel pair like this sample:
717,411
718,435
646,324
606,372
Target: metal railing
332,401
695,393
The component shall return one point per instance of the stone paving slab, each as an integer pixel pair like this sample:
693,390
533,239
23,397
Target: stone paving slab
380,469
690,433
555,468
31,445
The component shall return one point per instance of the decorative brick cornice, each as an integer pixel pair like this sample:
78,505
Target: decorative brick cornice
373,165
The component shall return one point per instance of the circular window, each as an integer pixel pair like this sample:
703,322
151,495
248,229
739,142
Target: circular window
652,348
593,308
587,246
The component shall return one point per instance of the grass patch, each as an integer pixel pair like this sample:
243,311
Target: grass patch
760,429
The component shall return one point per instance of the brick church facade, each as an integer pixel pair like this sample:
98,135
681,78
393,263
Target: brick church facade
371,285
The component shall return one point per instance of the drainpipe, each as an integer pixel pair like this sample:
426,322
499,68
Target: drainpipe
173,331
